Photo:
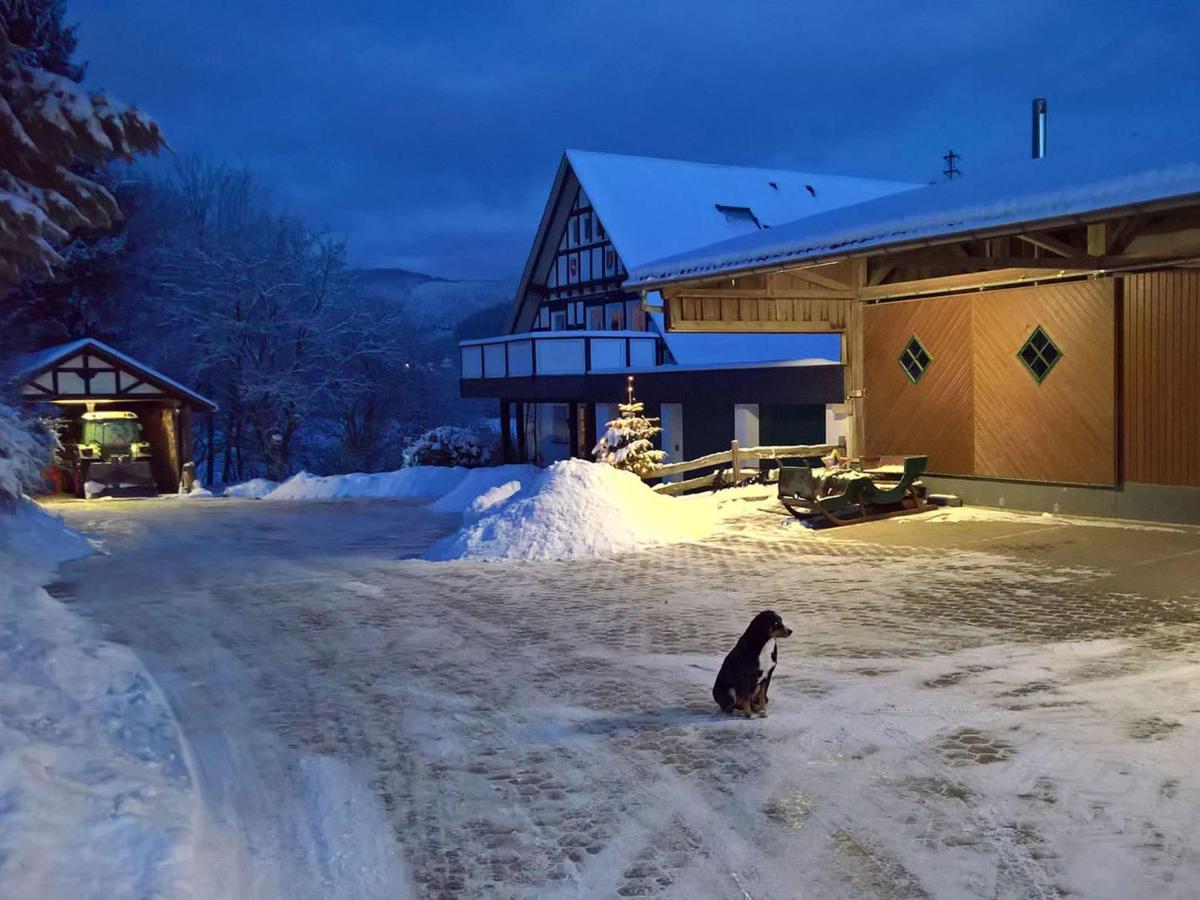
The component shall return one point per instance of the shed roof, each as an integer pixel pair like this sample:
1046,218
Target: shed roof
31,365
1043,193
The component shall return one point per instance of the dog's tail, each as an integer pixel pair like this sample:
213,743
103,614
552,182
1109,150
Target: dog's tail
725,696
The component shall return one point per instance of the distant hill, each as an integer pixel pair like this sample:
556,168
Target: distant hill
440,303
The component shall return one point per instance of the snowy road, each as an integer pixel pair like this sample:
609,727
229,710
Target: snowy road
955,717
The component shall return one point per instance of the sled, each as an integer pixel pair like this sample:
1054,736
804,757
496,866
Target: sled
879,488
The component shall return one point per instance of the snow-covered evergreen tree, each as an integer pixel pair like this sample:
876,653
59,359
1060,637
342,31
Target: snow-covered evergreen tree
627,443
53,134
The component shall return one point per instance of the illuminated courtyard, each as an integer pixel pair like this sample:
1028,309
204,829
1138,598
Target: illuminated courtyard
989,706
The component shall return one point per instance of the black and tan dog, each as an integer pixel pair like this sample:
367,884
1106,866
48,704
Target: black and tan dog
746,673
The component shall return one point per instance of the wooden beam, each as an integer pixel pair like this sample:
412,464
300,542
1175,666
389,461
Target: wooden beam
1053,245
756,327
844,293
816,278
1055,263
880,274
950,283
1124,232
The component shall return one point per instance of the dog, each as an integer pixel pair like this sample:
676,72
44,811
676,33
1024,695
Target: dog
746,673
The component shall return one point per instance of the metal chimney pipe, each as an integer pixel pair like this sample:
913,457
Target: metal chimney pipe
1039,128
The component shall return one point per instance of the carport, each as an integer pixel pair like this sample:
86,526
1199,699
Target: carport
88,375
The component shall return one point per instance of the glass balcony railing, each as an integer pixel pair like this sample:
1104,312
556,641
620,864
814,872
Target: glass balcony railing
559,353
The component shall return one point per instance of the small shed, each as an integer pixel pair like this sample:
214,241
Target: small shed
88,375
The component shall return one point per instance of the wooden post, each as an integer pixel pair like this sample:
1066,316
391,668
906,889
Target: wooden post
522,449
735,460
506,431
855,362
573,428
212,452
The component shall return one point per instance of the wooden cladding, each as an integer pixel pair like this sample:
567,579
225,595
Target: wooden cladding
816,300
756,314
1160,389
976,410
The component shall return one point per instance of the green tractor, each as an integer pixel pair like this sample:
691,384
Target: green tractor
113,459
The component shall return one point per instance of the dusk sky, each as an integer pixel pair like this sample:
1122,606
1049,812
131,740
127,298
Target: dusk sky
428,134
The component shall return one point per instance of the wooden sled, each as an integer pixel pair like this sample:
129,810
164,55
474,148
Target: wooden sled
891,488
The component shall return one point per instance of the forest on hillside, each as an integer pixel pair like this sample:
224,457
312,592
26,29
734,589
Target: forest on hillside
194,266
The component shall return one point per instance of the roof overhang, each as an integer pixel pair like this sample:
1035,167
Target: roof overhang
38,375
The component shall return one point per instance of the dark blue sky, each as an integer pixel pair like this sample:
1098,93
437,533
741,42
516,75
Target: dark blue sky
428,133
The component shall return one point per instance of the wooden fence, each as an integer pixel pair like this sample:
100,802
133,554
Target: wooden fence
735,458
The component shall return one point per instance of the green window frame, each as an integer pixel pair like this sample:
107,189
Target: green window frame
1039,354
914,359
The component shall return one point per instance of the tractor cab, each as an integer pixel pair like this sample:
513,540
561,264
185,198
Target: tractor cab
113,459
112,437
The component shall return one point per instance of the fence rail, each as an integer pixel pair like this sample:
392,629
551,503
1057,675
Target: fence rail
735,457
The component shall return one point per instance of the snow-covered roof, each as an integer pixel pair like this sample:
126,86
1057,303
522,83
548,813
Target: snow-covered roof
1040,193
653,208
33,364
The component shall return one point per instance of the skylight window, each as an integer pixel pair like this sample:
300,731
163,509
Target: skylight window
738,214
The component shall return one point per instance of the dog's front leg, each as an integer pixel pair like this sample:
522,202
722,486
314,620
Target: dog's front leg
760,699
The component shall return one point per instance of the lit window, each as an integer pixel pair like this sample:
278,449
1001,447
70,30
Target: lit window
595,320
1039,354
914,359
615,314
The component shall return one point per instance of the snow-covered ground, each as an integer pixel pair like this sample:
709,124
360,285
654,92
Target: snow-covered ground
95,793
982,709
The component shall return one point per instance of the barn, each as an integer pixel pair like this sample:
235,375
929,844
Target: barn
1035,331
87,379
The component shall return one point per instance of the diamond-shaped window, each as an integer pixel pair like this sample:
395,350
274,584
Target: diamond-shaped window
914,359
1039,354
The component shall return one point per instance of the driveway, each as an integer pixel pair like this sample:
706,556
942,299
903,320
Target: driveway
1004,708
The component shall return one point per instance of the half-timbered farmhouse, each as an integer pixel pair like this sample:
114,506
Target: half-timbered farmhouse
1035,332
577,332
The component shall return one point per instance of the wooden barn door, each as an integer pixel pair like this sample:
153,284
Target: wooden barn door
1062,427
974,406
929,411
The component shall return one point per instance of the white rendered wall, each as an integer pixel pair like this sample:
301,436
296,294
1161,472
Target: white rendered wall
837,423
745,424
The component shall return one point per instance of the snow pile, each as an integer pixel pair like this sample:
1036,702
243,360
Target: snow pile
254,489
481,482
491,499
22,456
417,481
576,508
96,795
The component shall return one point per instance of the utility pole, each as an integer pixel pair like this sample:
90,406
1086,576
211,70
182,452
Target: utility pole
951,171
